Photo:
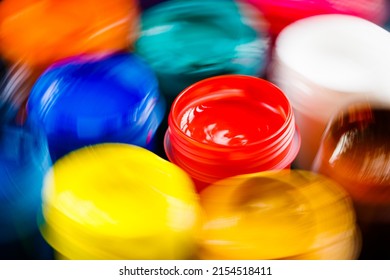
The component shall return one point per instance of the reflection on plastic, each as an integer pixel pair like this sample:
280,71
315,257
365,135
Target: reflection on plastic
355,151
39,32
93,99
117,201
15,88
325,62
230,125
186,41
277,215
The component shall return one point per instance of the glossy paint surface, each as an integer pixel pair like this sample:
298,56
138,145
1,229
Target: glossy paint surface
40,32
277,215
93,99
117,201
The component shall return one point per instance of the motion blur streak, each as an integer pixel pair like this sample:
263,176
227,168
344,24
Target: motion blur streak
278,215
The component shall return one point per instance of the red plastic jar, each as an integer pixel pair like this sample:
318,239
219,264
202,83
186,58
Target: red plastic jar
230,125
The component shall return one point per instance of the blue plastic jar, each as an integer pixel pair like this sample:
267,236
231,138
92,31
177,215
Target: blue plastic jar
185,41
95,99
24,161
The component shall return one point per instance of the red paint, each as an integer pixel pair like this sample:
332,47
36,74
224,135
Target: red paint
232,121
230,125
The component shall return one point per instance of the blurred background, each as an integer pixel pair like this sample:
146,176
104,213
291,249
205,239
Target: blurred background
194,129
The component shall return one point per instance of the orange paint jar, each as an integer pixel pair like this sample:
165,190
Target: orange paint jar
39,32
287,214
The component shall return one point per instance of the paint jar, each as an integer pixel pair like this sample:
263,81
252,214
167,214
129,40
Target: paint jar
323,63
287,214
185,41
355,152
280,14
230,125
118,201
40,32
24,160
93,99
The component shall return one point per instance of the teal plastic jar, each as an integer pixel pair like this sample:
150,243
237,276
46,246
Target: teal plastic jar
187,41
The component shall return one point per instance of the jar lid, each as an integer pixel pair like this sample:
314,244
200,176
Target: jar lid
205,114
89,97
336,56
39,32
275,215
104,199
190,38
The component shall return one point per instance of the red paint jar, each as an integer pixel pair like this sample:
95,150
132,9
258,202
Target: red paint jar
230,125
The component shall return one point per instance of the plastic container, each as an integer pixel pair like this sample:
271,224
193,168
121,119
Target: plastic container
24,161
118,201
40,32
288,214
355,152
94,99
186,41
230,125
323,63
280,14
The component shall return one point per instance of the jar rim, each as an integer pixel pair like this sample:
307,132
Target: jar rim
235,79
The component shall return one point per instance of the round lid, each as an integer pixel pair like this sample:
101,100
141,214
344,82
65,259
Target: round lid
117,194
337,52
39,32
273,215
93,96
205,114
190,38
